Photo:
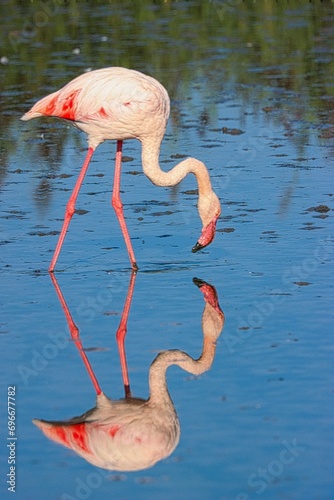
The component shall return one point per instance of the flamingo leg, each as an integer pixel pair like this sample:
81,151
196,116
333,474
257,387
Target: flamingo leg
121,333
70,208
74,331
118,205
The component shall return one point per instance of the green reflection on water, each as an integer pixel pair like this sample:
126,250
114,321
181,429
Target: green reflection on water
269,54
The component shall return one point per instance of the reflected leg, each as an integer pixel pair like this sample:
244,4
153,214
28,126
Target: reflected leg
74,331
121,333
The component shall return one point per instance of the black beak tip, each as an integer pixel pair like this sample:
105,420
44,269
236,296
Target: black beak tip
198,282
197,247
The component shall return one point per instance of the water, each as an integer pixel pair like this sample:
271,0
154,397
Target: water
256,106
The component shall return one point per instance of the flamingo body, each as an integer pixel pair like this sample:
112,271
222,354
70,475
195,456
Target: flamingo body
109,103
120,104
125,435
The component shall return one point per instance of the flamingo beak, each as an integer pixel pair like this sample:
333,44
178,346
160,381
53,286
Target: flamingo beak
197,247
208,234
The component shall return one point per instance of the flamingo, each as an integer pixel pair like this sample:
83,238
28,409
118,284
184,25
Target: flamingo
119,104
133,433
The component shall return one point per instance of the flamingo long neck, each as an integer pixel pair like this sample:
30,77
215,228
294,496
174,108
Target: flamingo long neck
212,324
152,169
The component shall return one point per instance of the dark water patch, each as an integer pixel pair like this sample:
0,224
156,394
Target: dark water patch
226,218
166,212
237,203
319,208
254,210
33,273
158,267
158,203
134,172
275,379
321,216
280,294
44,233
99,174
190,127
211,146
308,226
215,130
291,338
96,349
138,210
191,192
108,248
18,171
14,214
178,156
97,193
111,313
270,236
232,131
126,159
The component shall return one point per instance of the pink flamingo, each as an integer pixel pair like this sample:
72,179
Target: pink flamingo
119,104
134,433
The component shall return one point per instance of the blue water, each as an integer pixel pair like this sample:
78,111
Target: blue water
271,380
257,425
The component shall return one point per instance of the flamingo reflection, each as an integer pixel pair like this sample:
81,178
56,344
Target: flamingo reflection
133,433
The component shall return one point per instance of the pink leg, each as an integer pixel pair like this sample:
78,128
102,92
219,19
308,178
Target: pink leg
121,333
118,206
75,335
70,208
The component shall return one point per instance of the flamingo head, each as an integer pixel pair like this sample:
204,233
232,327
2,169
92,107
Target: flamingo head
209,210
